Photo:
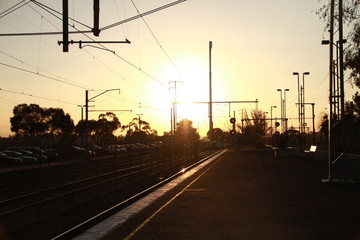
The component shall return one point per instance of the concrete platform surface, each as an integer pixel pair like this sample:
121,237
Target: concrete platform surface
252,195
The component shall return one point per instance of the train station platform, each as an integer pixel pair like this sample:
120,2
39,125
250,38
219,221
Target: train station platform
249,195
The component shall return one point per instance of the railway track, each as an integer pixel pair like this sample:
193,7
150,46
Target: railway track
30,196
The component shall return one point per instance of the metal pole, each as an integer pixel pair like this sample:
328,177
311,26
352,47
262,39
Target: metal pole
281,108
242,121
210,96
171,121
86,120
96,29
65,26
313,122
330,121
271,131
342,92
285,119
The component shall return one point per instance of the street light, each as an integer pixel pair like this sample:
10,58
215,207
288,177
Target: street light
271,128
301,101
265,123
298,81
285,119
87,100
281,108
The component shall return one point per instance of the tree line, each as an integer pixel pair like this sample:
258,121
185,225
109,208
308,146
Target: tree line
32,120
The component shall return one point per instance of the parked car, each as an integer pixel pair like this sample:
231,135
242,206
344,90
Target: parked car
25,159
37,152
6,160
38,157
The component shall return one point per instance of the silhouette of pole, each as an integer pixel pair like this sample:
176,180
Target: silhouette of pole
210,96
271,119
65,26
96,29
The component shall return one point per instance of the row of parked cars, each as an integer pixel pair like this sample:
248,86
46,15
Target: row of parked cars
23,155
122,148
31,155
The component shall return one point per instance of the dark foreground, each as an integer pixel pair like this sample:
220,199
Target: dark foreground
253,195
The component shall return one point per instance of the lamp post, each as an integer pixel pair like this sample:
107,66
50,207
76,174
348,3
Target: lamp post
271,127
303,101
281,107
265,123
301,107
242,120
87,100
285,119
298,82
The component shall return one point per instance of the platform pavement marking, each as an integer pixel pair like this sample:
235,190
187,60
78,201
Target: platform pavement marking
105,227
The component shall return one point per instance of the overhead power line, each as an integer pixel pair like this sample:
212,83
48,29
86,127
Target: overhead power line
156,39
42,75
88,31
13,8
141,15
35,96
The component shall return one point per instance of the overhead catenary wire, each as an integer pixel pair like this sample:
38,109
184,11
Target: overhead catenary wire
36,96
156,39
143,14
42,75
49,9
103,47
14,8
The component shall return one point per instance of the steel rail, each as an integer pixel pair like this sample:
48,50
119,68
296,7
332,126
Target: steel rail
99,217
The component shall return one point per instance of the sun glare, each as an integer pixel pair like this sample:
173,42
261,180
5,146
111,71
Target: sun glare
192,85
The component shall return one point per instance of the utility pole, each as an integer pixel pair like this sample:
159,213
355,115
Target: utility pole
65,25
86,120
313,122
87,100
139,120
210,96
174,110
96,29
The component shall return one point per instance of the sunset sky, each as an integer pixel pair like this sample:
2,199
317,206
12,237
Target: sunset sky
257,45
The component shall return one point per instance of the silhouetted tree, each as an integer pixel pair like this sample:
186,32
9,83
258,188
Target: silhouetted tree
218,135
32,120
107,124
80,128
58,122
138,130
185,131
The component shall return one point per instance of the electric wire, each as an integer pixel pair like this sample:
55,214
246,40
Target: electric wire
49,9
42,75
74,85
13,8
36,96
44,71
156,39
118,12
143,14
